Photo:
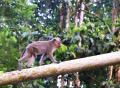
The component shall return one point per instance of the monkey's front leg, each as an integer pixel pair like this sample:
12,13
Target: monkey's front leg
52,58
30,62
43,57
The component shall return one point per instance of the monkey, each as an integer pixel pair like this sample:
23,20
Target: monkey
44,48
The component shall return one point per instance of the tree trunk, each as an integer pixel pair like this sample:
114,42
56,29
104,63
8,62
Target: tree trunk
67,17
82,13
77,80
115,10
65,67
79,17
110,72
62,15
62,81
118,75
77,12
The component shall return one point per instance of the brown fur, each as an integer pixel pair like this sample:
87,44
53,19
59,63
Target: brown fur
45,48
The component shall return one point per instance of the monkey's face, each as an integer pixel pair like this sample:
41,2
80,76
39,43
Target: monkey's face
57,42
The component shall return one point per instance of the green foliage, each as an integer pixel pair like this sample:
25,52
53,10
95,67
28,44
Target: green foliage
8,51
62,49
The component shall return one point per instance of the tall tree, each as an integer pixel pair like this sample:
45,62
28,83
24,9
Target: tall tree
67,17
115,16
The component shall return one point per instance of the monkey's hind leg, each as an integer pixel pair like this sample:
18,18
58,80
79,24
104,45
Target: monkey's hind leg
30,62
22,59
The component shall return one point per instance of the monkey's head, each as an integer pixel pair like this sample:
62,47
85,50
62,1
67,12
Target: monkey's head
57,42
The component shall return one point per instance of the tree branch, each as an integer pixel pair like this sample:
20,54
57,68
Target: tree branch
76,65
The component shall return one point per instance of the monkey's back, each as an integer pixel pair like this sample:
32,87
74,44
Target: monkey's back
39,47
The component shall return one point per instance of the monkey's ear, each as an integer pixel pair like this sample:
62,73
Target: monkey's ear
54,39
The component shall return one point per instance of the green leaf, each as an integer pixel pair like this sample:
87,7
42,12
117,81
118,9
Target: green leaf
63,48
73,54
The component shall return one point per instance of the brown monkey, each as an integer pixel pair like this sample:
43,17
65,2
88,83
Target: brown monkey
45,48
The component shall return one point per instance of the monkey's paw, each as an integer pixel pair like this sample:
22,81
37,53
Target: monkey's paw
56,62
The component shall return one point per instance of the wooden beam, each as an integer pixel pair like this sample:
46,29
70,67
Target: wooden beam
71,66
